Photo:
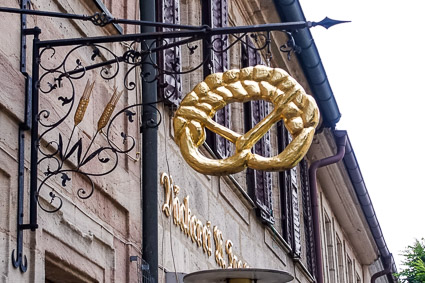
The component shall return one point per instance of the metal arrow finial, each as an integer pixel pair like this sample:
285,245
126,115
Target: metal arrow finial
327,23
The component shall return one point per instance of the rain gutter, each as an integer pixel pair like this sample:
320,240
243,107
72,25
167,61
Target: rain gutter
290,10
359,185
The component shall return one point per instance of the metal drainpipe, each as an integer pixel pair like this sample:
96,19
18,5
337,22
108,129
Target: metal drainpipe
149,156
340,140
386,271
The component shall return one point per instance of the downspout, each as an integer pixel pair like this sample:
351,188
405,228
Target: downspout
149,156
340,140
387,270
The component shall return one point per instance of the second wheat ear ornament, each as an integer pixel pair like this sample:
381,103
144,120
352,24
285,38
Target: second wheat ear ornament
107,112
298,111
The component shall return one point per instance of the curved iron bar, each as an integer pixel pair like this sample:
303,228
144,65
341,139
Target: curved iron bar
290,46
20,262
129,85
46,114
51,194
238,39
51,56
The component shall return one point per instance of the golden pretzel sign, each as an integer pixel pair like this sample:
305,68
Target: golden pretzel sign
298,111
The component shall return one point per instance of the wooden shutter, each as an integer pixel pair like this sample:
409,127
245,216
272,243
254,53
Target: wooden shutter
288,182
221,146
285,188
296,244
307,217
292,187
170,59
259,182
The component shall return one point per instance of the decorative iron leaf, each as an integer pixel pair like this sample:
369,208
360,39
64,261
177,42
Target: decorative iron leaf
192,48
52,197
79,64
48,171
65,100
96,53
52,86
65,178
130,115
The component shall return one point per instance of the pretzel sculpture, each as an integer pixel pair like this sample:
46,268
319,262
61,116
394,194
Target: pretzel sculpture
297,109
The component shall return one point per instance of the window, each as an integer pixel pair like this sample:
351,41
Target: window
170,59
340,259
349,271
329,249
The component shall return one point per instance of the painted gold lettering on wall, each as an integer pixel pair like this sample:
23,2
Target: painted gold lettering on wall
194,228
218,240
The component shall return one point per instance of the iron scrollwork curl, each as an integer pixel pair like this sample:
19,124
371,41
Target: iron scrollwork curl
290,46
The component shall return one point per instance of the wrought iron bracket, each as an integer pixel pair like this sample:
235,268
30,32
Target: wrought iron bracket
19,260
142,49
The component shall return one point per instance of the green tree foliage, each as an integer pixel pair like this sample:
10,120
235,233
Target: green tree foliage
414,262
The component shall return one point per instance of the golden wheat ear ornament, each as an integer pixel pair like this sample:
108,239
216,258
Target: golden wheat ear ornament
298,111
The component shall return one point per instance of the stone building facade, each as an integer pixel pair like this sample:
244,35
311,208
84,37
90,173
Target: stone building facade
249,219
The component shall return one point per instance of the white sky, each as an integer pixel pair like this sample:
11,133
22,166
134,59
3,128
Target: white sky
375,66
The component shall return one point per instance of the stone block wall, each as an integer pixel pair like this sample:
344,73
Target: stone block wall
87,240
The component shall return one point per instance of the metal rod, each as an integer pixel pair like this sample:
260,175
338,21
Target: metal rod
149,154
205,32
102,19
122,38
260,28
89,18
23,66
20,260
34,131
